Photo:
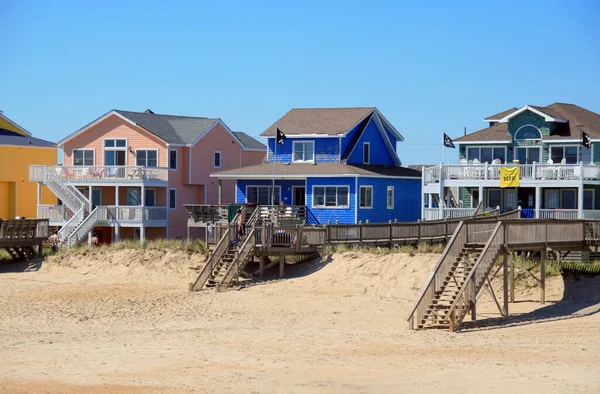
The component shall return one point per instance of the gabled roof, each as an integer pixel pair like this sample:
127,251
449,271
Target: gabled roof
300,170
2,116
318,121
571,120
249,142
8,137
497,117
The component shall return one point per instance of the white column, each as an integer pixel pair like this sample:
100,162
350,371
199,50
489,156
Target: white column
39,193
142,233
580,201
430,202
480,198
117,195
441,193
423,194
538,201
90,194
117,225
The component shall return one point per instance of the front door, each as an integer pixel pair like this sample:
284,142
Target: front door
299,195
96,197
133,196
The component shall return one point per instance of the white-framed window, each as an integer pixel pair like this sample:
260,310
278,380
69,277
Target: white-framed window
528,154
150,198
146,158
486,154
303,151
494,198
331,197
84,157
474,197
261,195
217,159
561,198
173,159
589,199
366,196
366,153
172,199
571,154
528,133
115,152
390,197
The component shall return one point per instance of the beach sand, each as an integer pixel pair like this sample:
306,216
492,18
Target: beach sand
126,323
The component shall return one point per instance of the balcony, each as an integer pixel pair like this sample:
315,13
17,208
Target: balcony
156,176
549,173
126,216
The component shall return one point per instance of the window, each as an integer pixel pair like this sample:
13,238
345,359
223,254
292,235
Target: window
366,153
585,155
568,199
330,196
217,159
568,153
486,154
551,200
172,199
528,132
304,151
115,152
146,158
474,198
83,157
390,197
172,159
150,199
528,155
494,198
588,199
366,197
261,195
133,196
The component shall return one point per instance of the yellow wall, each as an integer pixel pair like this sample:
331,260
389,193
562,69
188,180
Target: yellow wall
9,126
14,177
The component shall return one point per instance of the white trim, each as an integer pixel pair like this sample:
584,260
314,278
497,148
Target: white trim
393,129
169,199
546,117
386,140
116,149
176,160
528,139
387,201
368,146
146,150
304,176
492,147
294,193
360,195
267,186
268,137
482,142
220,159
294,143
95,122
325,197
83,149
572,140
27,133
569,146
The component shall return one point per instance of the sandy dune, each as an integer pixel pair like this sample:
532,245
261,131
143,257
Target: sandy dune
126,323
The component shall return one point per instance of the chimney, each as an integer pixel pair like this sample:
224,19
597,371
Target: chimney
465,131
149,111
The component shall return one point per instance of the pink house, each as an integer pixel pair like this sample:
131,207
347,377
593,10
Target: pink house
126,175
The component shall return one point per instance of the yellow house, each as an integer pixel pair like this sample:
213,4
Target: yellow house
18,149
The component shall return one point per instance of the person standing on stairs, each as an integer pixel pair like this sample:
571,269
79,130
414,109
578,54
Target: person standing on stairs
54,241
240,224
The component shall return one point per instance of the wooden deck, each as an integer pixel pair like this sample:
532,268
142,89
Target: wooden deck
20,237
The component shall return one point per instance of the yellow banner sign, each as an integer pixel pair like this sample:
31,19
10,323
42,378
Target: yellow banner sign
509,177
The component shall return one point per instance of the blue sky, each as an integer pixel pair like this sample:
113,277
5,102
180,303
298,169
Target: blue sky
429,66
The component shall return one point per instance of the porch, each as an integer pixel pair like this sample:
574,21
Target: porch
99,175
125,216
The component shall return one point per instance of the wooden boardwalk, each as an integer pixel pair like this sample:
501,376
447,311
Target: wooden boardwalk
21,238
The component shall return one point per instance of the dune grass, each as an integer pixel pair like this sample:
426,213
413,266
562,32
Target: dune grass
192,246
410,249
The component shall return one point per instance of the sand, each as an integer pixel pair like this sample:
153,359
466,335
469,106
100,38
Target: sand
126,323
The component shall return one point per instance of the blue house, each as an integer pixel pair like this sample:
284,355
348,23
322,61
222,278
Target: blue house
340,163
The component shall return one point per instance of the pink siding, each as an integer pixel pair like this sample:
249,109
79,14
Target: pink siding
252,158
115,127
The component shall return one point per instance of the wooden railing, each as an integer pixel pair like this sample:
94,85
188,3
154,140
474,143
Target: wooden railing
24,229
214,257
101,174
239,261
208,213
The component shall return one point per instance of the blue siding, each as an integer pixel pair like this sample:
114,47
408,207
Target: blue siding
322,215
326,149
286,188
347,140
407,200
379,152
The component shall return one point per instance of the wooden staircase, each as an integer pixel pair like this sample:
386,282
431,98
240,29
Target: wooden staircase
221,267
20,253
437,314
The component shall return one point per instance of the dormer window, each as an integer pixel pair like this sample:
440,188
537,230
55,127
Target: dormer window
366,153
304,151
528,133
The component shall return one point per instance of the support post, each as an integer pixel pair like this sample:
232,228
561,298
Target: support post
281,265
481,198
538,200
441,194
142,234
543,276
511,279
117,232
580,200
261,266
220,191
473,301
505,281
39,194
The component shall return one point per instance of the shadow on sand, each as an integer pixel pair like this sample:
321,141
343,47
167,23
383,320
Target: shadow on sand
581,297
21,266
296,270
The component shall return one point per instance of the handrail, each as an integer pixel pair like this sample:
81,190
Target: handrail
92,216
241,255
70,226
478,208
469,277
430,281
210,263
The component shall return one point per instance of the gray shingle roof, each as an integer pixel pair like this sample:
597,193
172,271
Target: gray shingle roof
321,169
11,138
173,129
249,142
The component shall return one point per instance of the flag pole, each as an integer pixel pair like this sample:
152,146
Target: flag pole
274,156
442,148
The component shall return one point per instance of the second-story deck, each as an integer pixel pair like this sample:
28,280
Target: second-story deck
102,175
484,174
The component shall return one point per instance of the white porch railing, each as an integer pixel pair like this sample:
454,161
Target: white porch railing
53,212
557,213
527,172
101,174
591,214
434,213
128,214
